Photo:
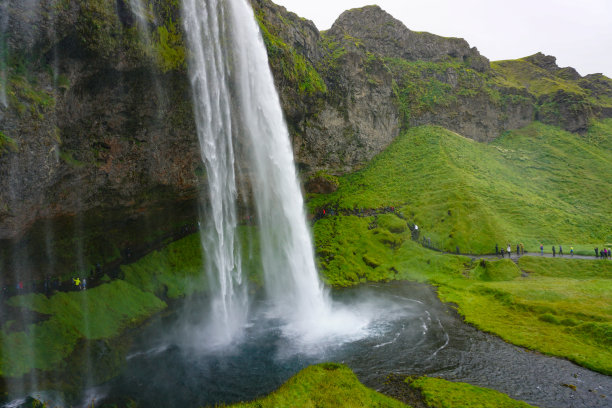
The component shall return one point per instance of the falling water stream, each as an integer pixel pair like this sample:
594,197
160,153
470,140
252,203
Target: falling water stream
4,21
236,103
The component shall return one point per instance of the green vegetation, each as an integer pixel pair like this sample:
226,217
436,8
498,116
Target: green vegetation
101,312
170,48
600,134
534,185
324,385
561,307
521,73
438,393
183,258
98,313
102,32
7,144
335,385
24,93
422,86
292,65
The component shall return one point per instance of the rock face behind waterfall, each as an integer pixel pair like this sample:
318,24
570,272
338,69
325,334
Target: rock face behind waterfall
98,148
101,133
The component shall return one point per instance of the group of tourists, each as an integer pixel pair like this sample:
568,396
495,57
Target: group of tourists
604,253
554,250
80,284
520,250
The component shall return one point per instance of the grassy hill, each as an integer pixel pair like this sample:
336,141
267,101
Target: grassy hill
335,385
535,185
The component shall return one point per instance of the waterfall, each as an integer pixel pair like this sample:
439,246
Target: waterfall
205,28
291,278
228,53
4,20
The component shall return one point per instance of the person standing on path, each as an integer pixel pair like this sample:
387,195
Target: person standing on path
572,251
518,249
496,250
542,249
553,251
560,250
509,250
522,249
596,252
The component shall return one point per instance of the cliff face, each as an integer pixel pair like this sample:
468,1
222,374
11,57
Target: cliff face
380,77
99,129
382,34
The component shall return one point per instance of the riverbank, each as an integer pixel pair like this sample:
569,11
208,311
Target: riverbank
558,306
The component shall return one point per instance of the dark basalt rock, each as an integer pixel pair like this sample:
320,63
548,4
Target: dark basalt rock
384,35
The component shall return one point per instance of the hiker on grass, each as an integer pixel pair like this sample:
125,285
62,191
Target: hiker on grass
560,250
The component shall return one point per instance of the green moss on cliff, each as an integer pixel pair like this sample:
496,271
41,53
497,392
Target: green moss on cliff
105,35
169,47
422,86
7,144
99,27
521,73
285,60
24,92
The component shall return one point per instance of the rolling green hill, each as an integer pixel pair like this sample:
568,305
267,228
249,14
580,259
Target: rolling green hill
534,185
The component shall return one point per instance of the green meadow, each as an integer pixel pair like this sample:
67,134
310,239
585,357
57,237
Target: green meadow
536,185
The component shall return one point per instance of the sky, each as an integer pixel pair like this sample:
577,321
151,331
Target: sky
577,32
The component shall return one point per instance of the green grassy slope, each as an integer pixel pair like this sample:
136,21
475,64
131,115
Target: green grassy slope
102,312
335,385
438,393
534,185
324,385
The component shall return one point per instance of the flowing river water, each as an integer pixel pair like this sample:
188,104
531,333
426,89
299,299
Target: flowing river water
411,333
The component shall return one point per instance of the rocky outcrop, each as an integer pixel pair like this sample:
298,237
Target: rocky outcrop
382,34
351,117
